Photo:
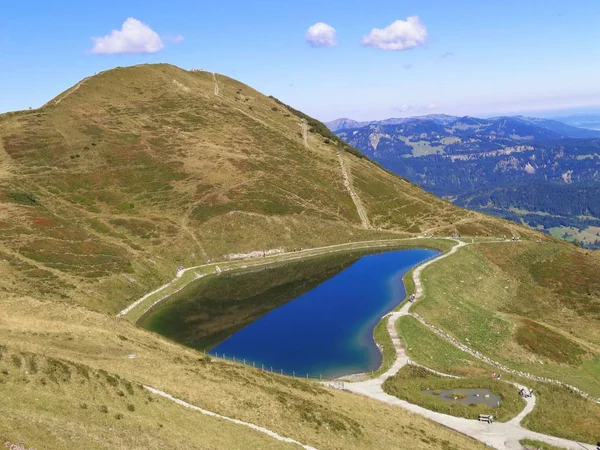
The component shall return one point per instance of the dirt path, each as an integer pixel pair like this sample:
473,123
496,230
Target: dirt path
502,436
229,419
304,126
362,213
216,84
69,92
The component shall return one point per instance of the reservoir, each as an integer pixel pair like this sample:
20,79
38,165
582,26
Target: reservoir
313,317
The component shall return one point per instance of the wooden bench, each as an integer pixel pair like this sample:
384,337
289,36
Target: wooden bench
486,418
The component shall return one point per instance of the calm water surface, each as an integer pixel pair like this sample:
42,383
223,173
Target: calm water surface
328,330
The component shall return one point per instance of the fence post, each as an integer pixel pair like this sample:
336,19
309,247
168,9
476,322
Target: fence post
253,364
263,367
294,374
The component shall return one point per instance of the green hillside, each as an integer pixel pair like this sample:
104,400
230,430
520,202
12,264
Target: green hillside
133,172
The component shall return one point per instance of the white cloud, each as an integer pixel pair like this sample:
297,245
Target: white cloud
431,106
400,35
320,35
133,37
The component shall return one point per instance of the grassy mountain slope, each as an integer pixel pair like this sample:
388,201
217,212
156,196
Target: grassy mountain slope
112,185
107,189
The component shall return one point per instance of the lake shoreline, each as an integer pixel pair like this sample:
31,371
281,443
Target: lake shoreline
320,326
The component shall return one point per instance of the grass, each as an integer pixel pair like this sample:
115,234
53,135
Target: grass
62,404
531,444
530,306
386,347
550,344
554,404
427,348
410,382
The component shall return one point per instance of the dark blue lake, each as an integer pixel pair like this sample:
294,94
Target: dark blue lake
328,330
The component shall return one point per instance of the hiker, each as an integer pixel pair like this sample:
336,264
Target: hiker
494,375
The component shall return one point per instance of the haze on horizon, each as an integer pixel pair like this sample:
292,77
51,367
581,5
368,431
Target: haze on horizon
329,59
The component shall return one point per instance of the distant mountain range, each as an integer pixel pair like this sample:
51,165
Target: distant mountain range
503,123
466,159
590,121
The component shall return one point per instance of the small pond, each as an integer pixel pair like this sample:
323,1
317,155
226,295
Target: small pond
312,317
480,396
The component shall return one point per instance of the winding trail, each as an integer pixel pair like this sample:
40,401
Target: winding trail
502,436
362,213
229,419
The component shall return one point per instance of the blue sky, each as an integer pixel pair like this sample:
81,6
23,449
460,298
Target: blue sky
540,57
